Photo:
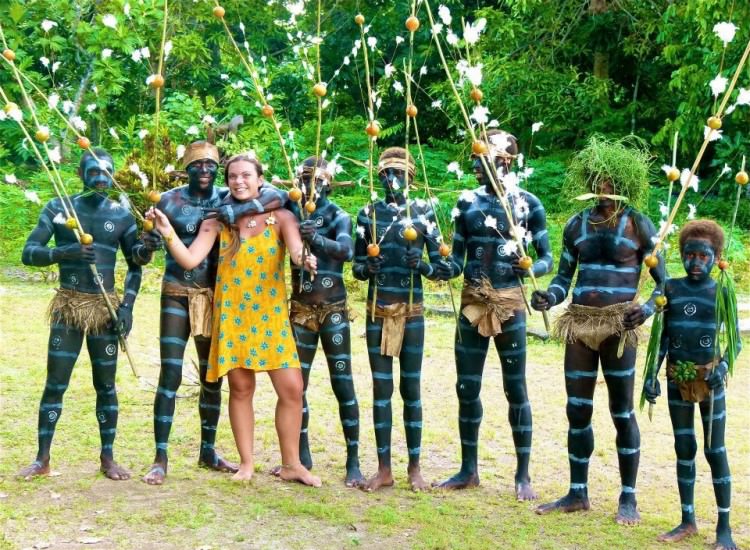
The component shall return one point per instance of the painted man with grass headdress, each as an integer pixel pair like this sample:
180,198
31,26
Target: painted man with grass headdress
186,299
486,251
79,311
607,244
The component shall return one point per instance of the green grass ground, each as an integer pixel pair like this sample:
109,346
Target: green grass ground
77,507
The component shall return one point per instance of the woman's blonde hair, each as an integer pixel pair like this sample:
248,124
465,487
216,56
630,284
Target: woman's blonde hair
234,230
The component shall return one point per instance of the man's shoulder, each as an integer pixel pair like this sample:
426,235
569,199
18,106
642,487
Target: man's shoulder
54,205
530,197
575,219
467,197
172,195
338,212
122,206
640,218
422,206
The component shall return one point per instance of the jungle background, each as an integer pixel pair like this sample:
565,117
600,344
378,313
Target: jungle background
579,67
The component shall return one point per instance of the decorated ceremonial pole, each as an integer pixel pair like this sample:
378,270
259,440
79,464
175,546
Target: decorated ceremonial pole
266,109
410,232
673,174
412,25
443,249
714,124
319,89
81,140
741,178
156,81
372,130
481,149
72,221
726,304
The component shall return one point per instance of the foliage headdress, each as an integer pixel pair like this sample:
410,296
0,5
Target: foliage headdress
624,163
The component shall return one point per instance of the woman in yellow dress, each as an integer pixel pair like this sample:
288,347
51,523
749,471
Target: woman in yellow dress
251,330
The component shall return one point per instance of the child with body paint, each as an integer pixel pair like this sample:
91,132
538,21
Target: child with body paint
688,342
251,330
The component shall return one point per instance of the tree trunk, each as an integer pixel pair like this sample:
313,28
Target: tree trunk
601,57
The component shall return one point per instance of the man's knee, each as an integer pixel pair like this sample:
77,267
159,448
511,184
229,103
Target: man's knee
685,446
409,388
382,385
467,390
579,412
515,391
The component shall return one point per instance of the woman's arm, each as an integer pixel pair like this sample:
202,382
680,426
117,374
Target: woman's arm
188,258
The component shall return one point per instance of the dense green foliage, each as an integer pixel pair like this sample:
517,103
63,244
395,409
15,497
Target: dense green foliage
580,67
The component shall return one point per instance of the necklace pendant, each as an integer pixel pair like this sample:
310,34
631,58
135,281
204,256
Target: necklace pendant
271,220
252,223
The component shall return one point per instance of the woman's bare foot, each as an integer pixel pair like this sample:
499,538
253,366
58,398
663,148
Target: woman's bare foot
384,478
156,474
682,531
113,470
416,480
244,472
297,472
35,469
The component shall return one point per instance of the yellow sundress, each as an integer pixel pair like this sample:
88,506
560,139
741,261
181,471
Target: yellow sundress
251,328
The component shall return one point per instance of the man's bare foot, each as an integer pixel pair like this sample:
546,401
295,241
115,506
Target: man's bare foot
682,531
297,472
35,469
156,474
384,478
218,464
461,480
416,480
569,503
244,472
113,470
524,491
724,540
354,477
627,510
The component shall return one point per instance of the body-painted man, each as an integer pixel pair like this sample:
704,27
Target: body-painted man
492,304
318,308
689,337
79,311
607,244
395,270
186,301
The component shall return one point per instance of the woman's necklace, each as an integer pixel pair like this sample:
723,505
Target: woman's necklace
270,220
